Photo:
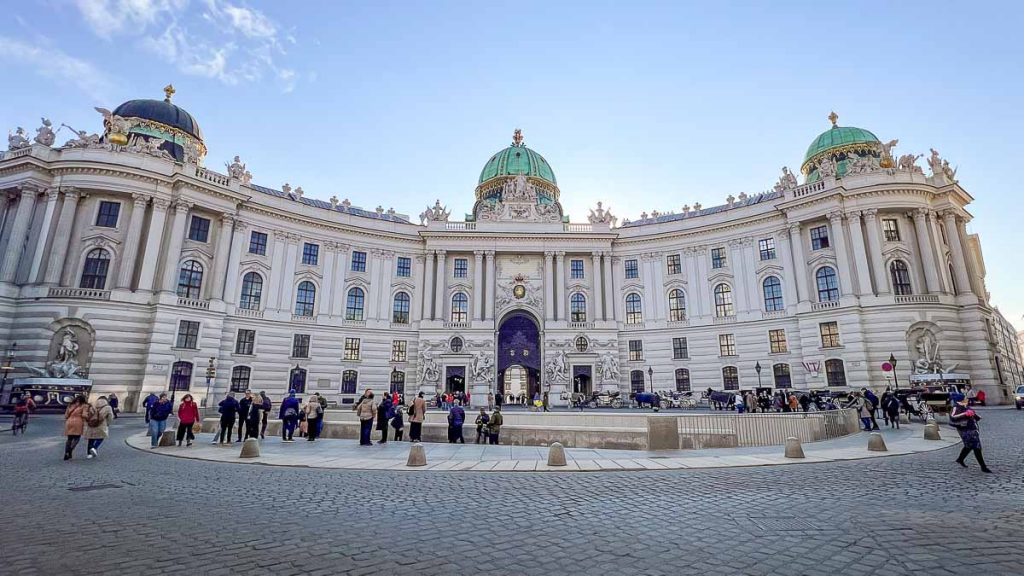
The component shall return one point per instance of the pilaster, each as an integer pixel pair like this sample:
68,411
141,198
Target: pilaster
842,253
874,242
52,195
154,240
860,256
19,232
170,277
927,250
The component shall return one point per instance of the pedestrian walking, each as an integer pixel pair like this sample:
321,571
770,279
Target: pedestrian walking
481,425
891,409
289,415
74,424
265,407
148,403
253,417
737,401
384,414
417,413
863,409
244,408
875,405
794,403
228,409
456,418
97,425
323,414
398,423
188,416
158,414
494,426
314,414
365,412
965,420
114,403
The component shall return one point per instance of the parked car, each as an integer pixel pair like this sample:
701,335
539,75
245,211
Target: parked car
1018,397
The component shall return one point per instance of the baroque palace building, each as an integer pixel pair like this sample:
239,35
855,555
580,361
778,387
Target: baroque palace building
157,268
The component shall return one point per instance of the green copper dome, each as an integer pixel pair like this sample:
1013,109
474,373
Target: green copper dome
837,137
515,160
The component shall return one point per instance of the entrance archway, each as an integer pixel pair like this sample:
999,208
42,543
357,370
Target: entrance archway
519,346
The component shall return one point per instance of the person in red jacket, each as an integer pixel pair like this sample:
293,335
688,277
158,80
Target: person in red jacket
188,414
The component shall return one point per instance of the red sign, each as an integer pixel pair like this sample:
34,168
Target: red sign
886,367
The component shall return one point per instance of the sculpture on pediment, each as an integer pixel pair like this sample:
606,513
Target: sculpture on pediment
863,165
935,162
437,213
826,167
557,368
908,163
787,181
429,371
608,368
518,189
83,139
17,140
602,216
45,134
482,367
149,145
236,169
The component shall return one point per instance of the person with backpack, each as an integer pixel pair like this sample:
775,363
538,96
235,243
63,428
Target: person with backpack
875,405
228,409
314,414
188,415
384,413
98,417
364,410
417,413
494,426
891,409
148,403
289,415
74,424
481,425
863,408
158,414
965,420
398,423
456,418
265,407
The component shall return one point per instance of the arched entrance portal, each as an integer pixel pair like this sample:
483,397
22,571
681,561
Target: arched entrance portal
519,346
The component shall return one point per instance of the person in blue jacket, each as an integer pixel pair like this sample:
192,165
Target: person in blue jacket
228,409
158,414
289,415
148,403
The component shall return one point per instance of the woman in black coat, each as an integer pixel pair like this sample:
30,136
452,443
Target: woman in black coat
383,417
965,420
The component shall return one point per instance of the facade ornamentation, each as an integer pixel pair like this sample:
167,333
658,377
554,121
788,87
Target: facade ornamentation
482,368
908,163
115,127
17,140
149,146
787,181
887,160
429,371
929,361
437,213
863,165
65,362
84,140
557,368
826,167
941,166
608,369
236,170
45,134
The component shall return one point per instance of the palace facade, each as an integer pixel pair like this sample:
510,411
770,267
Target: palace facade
161,268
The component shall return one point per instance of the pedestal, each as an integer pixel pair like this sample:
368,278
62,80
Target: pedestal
50,394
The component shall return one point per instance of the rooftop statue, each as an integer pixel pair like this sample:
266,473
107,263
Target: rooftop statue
602,216
908,162
83,139
116,127
517,137
940,166
45,134
236,169
826,167
887,161
17,140
436,214
863,165
787,181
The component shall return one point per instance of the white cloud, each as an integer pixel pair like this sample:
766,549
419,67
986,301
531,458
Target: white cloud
56,65
108,18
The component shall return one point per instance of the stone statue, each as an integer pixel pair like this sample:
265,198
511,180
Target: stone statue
236,169
246,178
429,371
45,134
826,167
558,367
482,368
192,155
602,216
65,361
608,369
949,172
149,145
863,165
437,213
286,188
17,140
908,162
518,189
787,181
928,359
83,140
887,147
935,163
116,127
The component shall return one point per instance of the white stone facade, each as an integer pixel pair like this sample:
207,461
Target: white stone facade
52,223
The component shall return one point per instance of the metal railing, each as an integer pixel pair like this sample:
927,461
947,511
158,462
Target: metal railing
726,430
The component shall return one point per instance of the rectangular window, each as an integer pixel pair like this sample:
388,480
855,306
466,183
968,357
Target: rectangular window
576,269
199,229
829,334
310,254
258,243
351,349
358,261
819,238
107,216
766,246
240,378
461,268
245,342
631,269
675,265
404,267
188,334
718,258
636,350
777,342
349,381
398,351
891,229
300,346
726,345
679,351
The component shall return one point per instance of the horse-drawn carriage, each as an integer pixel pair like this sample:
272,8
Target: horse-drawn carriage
605,399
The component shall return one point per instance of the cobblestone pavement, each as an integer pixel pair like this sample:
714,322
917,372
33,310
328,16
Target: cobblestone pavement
129,512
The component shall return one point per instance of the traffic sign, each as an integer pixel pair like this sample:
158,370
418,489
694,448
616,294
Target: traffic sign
886,367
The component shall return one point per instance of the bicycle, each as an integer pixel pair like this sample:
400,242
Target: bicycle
20,423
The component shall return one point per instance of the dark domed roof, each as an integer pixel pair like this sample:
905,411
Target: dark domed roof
161,111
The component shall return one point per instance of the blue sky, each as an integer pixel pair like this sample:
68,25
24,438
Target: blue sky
642,105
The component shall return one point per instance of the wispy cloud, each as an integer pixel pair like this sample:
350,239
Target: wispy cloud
56,65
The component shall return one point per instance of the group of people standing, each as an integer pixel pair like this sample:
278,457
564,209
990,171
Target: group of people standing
88,420
391,411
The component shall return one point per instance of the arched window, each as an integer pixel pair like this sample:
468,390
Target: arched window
94,274
252,291
723,301
297,380
190,280
349,381
772,294
354,304
181,375
578,307
634,309
828,284
460,307
835,373
900,278
636,381
240,378
682,380
676,305
782,376
398,381
730,378
400,310
305,298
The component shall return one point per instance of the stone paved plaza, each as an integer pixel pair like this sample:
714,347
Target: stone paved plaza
132,512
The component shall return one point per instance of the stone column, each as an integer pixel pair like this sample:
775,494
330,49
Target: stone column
287,293
19,231
327,286
739,290
617,299
924,244
707,297
754,296
874,238
842,253
956,249
154,240
416,308
489,307
560,286
860,256
945,282
789,267
796,242
439,287
170,278
386,270
339,292
609,288
231,282
132,239
693,299
478,289
44,234
598,305
221,254
549,285
276,272
659,304
62,237
428,287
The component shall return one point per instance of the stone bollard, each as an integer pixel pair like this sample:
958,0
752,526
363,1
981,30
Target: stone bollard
556,455
250,448
167,439
417,456
793,448
876,443
931,432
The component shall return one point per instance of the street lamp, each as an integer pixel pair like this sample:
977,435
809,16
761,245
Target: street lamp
210,373
896,379
757,368
650,374
8,367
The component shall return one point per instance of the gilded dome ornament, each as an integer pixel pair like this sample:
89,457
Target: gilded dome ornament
517,137
169,91
833,118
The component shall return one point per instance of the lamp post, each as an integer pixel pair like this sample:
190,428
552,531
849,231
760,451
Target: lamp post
757,368
896,379
211,372
8,367
650,374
